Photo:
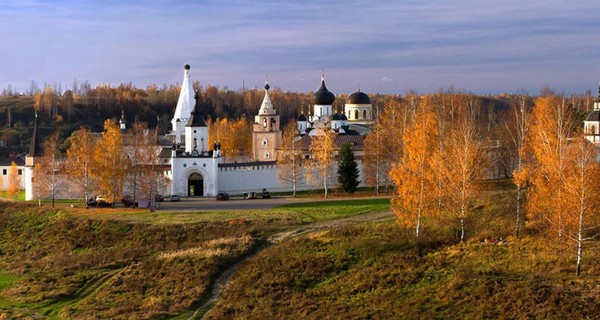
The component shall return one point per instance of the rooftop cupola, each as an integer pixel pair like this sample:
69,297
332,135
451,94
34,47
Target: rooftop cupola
123,122
323,96
266,107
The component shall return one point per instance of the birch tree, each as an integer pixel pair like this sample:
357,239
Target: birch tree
150,176
582,190
413,176
548,139
517,125
50,165
460,166
110,163
80,158
322,148
12,190
289,161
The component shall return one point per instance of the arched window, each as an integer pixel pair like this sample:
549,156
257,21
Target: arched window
265,142
364,114
355,114
593,130
267,155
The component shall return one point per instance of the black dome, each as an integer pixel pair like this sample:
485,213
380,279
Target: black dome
267,86
323,96
186,67
359,97
344,117
594,116
336,117
302,117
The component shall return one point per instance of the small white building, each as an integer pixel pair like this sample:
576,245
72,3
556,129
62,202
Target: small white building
591,125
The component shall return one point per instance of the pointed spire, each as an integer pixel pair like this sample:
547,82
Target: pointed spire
35,149
185,103
196,118
266,107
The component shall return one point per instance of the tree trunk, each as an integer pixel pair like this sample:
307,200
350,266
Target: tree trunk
462,229
422,187
518,223
325,183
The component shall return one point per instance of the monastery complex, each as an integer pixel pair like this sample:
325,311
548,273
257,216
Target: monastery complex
194,168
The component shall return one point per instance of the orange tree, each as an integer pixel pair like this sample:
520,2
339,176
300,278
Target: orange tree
80,157
110,163
414,177
552,126
289,159
321,147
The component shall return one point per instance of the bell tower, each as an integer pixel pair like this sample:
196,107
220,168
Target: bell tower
266,133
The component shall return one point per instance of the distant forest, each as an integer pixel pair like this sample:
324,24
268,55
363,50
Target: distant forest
84,105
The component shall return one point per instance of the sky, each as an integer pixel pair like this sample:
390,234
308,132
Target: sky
379,46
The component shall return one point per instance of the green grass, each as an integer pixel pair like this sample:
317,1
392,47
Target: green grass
72,263
289,214
319,211
6,280
375,271
20,196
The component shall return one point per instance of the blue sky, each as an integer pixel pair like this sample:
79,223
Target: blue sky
482,46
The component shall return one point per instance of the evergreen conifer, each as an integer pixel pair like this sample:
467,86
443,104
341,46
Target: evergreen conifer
347,170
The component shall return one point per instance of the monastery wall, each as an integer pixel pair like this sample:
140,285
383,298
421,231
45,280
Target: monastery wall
240,178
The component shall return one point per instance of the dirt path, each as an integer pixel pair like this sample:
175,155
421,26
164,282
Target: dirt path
224,278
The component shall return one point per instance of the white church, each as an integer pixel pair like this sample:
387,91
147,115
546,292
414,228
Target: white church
195,168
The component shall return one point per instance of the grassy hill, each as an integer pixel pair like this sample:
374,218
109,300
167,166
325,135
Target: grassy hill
71,264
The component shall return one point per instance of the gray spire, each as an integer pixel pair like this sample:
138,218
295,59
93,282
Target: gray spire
35,150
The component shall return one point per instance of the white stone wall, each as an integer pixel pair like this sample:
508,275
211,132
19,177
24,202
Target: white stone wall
255,177
22,177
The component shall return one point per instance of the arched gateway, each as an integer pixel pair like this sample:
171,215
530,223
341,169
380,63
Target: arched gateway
195,185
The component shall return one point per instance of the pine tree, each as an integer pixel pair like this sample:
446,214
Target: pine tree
347,170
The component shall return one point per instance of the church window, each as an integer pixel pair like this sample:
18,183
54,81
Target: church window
264,122
364,114
593,129
355,114
267,155
184,165
20,171
3,171
195,143
265,142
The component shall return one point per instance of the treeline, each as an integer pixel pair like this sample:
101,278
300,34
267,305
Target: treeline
84,105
